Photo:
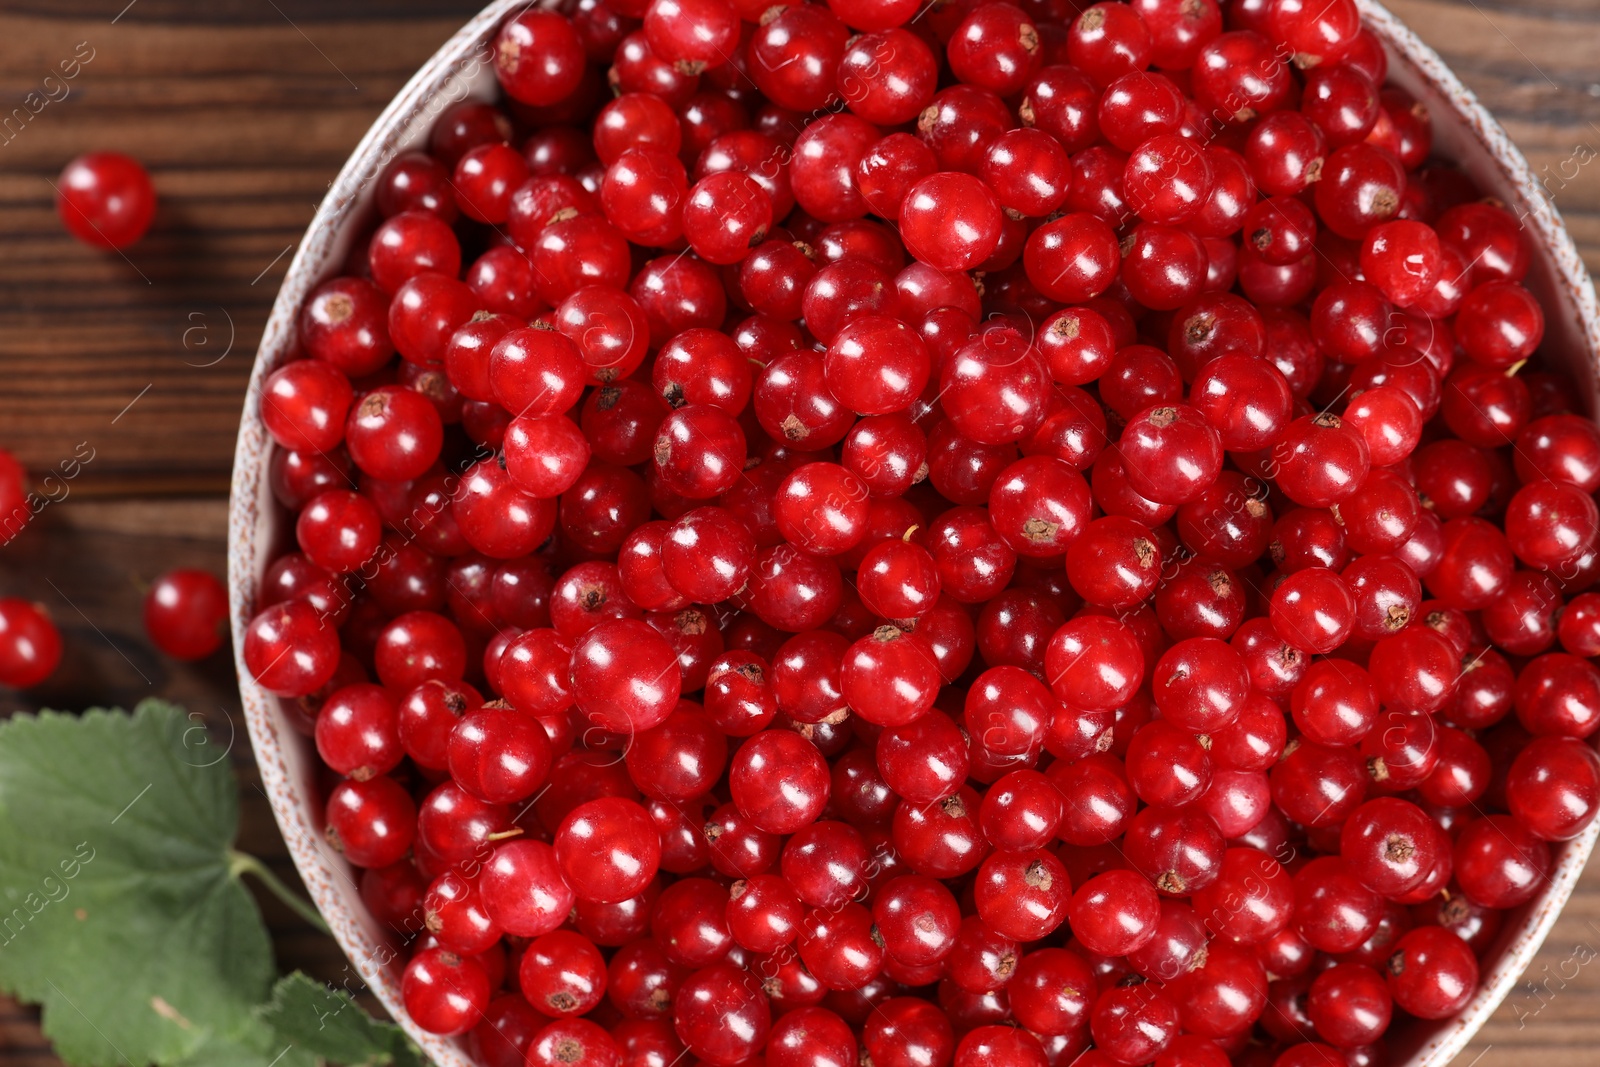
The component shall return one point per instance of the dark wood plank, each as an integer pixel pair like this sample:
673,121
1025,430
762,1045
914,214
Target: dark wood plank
243,119
90,563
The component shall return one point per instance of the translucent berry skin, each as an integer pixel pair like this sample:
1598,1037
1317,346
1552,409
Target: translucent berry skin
890,677
545,456
898,579
1167,179
876,364
1432,973
1107,41
523,888
1548,524
1114,913
1335,703
680,759
1350,1005
454,915
1023,895
625,676
1390,845
822,508
186,613
1073,258
345,323
693,33
1247,401
1114,563
1200,684
356,731
1039,505
721,1016
1333,911
1361,185
499,755
394,433
608,849
372,822
1256,879
918,918
793,590
444,993
339,530
484,180
304,405
105,199
763,913
837,947
1170,453
535,673
538,58
1500,324
1553,787
1415,668
993,1045
699,451
1475,562
1499,863
1239,74
950,221
1403,259
1313,610
562,973
573,1043
923,760
1563,448
426,715
426,311
725,215
1094,662
779,780
904,1031
288,648
417,646
887,77
995,388
1320,460
1557,695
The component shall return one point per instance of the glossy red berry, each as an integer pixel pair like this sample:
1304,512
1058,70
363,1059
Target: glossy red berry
105,199
444,993
608,849
720,1016
538,58
186,613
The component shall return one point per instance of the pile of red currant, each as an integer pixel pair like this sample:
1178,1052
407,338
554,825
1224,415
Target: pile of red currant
903,535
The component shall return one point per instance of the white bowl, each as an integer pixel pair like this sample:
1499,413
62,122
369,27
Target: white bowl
1463,131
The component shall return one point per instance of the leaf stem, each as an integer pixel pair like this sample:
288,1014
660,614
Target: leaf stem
242,863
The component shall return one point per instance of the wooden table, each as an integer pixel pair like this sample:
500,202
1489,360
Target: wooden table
244,110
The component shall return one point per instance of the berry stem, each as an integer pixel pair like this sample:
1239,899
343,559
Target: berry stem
241,863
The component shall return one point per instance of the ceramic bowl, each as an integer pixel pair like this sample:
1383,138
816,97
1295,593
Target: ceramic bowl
259,528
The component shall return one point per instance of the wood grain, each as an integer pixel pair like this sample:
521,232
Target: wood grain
244,110
243,122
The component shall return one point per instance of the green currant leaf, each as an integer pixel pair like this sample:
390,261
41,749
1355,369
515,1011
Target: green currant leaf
326,1023
121,909
254,1044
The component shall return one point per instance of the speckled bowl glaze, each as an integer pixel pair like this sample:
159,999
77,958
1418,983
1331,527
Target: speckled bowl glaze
259,528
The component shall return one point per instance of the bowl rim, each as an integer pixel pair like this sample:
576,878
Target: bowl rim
248,527
1516,947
